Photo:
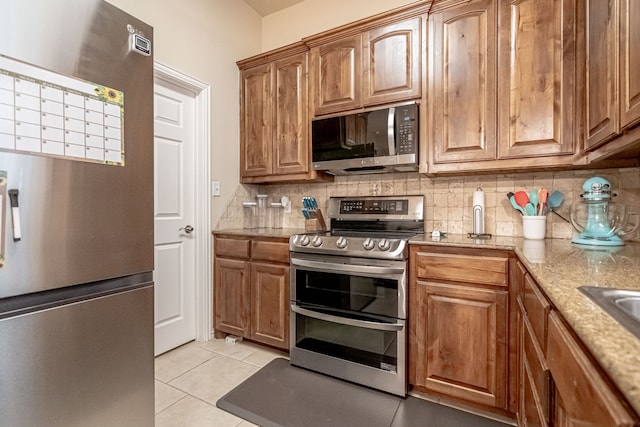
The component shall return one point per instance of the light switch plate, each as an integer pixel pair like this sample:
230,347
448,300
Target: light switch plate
215,188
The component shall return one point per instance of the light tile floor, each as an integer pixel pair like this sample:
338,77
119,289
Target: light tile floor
191,378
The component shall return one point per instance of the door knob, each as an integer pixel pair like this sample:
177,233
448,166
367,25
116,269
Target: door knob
188,229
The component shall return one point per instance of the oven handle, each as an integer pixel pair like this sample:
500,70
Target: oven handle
347,321
344,268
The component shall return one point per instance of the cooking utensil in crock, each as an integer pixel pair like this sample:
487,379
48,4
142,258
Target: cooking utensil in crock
555,200
533,199
512,200
543,194
530,210
521,198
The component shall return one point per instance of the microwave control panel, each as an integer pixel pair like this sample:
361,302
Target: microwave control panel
407,128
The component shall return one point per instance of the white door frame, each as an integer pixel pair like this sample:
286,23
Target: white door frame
202,224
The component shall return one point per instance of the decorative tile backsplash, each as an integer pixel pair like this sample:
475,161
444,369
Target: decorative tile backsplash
448,200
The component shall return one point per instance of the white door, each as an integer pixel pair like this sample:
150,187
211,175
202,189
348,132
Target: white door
175,234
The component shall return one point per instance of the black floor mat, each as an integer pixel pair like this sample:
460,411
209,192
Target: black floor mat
281,395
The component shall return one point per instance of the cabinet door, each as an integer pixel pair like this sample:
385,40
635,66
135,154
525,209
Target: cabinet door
255,122
601,91
535,378
231,296
629,62
583,397
290,138
458,338
392,62
270,304
462,82
536,78
336,75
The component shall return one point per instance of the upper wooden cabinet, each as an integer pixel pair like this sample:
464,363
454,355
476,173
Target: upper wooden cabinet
629,62
537,78
374,62
274,121
612,87
462,81
392,62
336,71
502,85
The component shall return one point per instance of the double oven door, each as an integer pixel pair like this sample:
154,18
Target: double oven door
348,319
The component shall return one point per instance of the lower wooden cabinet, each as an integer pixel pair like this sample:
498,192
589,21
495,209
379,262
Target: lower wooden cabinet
559,383
270,304
232,293
458,331
582,395
535,379
251,289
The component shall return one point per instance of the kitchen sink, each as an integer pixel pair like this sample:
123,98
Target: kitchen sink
622,304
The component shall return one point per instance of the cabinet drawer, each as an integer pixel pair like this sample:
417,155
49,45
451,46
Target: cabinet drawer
462,268
537,308
270,251
537,368
234,248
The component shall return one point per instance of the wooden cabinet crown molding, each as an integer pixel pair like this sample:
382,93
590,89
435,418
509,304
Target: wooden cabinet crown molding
272,55
366,24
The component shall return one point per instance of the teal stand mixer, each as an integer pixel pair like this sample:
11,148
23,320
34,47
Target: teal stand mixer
601,222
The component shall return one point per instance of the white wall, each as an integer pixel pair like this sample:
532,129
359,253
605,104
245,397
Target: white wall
204,39
315,16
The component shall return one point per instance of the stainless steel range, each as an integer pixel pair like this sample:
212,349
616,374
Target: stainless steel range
349,291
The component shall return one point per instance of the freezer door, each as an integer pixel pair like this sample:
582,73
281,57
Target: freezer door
81,221
88,363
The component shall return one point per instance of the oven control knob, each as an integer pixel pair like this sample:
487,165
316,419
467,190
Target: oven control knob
316,241
368,244
384,244
342,242
304,241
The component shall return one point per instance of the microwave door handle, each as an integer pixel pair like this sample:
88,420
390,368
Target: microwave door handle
391,138
347,321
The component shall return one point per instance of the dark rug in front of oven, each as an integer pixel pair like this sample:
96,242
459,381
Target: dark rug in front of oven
281,395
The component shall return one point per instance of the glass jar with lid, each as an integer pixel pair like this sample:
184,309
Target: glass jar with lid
262,210
276,214
249,214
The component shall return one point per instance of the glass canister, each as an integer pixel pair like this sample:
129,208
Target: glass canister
276,215
249,212
261,210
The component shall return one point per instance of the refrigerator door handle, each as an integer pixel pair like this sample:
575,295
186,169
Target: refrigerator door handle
15,215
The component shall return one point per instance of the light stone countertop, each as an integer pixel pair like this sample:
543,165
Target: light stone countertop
560,267
260,232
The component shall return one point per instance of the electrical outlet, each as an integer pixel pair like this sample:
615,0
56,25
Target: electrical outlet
286,203
215,188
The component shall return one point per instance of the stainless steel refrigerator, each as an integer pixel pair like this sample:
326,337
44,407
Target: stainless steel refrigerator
76,215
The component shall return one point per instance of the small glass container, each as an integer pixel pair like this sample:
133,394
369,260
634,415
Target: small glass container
249,212
276,215
262,210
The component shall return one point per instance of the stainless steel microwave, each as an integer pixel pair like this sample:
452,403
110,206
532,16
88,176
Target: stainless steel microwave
372,141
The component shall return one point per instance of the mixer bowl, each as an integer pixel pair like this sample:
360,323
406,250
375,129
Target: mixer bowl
603,223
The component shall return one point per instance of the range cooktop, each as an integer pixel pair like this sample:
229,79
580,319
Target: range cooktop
369,227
